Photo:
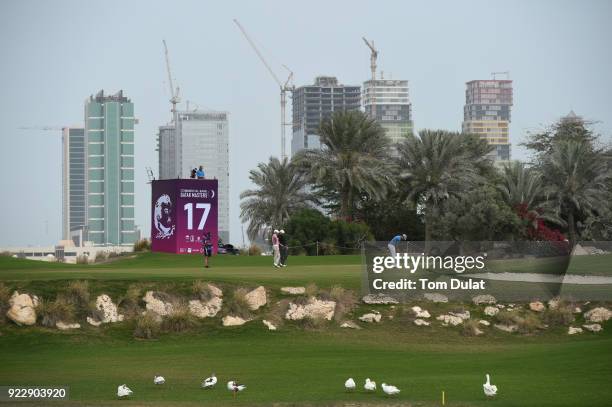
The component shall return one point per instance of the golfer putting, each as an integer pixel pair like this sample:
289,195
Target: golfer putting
393,243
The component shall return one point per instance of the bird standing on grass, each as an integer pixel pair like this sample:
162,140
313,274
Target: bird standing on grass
209,382
349,384
369,385
123,391
235,387
390,390
490,390
159,380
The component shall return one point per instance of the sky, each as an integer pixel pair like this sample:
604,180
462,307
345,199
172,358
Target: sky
55,54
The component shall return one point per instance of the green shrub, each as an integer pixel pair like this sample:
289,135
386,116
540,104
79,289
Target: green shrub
346,301
142,245
254,250
562,315
180,320
201,290
129,304
314,324
51,313
5,296
77,293
471,327
528,323
237,305
505,317
277,312
147,326
312,290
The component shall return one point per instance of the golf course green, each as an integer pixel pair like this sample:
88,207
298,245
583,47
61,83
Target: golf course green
295,365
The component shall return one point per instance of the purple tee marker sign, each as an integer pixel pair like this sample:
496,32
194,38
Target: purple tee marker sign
183,211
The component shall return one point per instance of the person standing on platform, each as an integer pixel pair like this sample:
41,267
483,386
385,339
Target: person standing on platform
193,173
284,249
207,247
276,248
200,173
393,243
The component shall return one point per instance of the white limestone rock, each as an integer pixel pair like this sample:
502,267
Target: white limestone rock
293,290
573,330
64,326
537,306
373,316
436,297
484,299
506,328
599,314
270,325
105,304
157,305
484,322
215,291
94,322
463,315
383,299
491,311
450,320
256,298
350,325
230,320
553,303
593,327
420,313
314,309
206,309
421,322
22,308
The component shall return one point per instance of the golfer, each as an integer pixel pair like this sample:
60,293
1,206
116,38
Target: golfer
284,249
393,243
276,248
207,248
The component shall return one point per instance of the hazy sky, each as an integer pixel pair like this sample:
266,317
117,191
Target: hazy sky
56,53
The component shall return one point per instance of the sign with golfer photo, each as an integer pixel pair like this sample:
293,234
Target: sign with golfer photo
183,211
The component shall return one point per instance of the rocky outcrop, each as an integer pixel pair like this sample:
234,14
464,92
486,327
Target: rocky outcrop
108,308
593,327
293,290
421,322
22,308
63,326
599,314
537,306
450,320
93,322
270,325
206,309
350,325
463,314
383,299
215,291
484,299
156,304
230,320
484,322
553,303
256,298
506,328
491,311
435,297
573,330
420,312
373,316
313,309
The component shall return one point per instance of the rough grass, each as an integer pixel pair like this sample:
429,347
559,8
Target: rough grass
201,290
129,304
346,301
562,315
51,312
180,320
236,304
471,327
147,326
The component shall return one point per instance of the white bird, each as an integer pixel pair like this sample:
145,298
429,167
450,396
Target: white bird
369,385
159,380
490,390
235,386
349,384
210,382
123,391
390,390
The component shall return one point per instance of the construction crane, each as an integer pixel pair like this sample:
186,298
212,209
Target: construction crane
284,87
373,56
43,128
174,92
506,73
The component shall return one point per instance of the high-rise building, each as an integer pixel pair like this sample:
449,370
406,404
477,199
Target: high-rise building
109,135
487,113
198,138
73,181
314,103
388,102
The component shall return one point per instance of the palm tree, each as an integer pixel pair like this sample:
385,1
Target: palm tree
578,179
521,185
354,159
280,192
437,164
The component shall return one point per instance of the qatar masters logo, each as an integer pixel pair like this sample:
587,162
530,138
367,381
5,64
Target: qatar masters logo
162,217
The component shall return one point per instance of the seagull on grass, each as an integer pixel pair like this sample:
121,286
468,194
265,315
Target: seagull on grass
349,384
390,390
123,391
210,382
235,387
369,385
159,380
490,390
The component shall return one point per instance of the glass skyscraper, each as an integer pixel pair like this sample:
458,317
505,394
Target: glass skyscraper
73,181
109,134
